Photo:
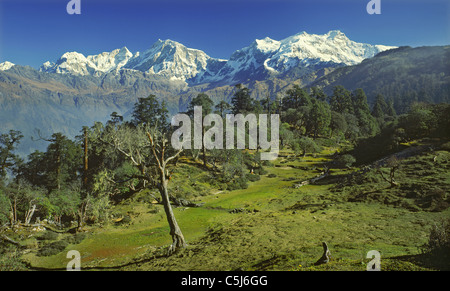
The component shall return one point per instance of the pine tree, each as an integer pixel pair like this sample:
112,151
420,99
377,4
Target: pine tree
241,101
317,93
8,144
380,107
295,98
341,100
150,112
206,104
319,118
366,121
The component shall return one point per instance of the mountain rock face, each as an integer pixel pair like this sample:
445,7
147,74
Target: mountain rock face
78,90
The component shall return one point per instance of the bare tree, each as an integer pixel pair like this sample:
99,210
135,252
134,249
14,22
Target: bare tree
393,163
148,150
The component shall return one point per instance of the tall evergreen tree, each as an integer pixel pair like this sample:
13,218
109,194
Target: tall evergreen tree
241,101
366,121
317,93
319,118
380,107
341,100
150,112
8,144
295,98
206,104
64,161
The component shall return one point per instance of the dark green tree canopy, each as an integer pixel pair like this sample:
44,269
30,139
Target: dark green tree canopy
8,144
152,113
242,102
202,100
295,98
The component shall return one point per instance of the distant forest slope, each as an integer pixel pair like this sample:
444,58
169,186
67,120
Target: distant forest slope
404,76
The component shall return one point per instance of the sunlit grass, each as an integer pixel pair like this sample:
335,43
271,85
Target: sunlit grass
282,227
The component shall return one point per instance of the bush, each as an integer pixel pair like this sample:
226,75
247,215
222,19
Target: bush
439,241
76,238
446,146
253,177
10,260
260,171
344,161
48,235
239,183
53,248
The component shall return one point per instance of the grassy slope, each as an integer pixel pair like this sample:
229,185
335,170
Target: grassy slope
281,229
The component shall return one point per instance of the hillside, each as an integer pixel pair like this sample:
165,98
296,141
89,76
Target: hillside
125,200
403,75
271,225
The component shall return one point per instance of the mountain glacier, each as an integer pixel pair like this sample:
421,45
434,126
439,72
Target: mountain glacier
261,59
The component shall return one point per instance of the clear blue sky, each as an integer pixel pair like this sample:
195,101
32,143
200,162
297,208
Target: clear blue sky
34,31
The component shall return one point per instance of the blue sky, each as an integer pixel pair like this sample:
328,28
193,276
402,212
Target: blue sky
34,31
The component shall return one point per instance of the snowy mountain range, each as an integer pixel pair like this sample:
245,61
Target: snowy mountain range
78,90
261,59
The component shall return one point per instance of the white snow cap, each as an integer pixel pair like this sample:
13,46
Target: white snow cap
6,66
173,60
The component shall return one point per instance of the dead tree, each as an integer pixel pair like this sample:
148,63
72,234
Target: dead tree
148,150
325,256
29,214
393,163
162,184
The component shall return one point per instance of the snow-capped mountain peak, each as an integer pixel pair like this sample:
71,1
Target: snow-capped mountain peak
6,66
267,45
171,59
77,64
109,61
332,34
262,58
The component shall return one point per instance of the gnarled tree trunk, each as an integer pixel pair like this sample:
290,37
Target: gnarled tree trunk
175,231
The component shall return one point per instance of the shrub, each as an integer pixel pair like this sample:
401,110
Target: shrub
239,183
253,177
439,241
344,161
76,238
53,248
446,146
10,260
48,235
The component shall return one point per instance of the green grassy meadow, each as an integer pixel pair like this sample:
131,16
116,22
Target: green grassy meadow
271,225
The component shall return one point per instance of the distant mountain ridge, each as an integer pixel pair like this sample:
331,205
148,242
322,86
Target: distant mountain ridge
261,59
78,90
403,75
